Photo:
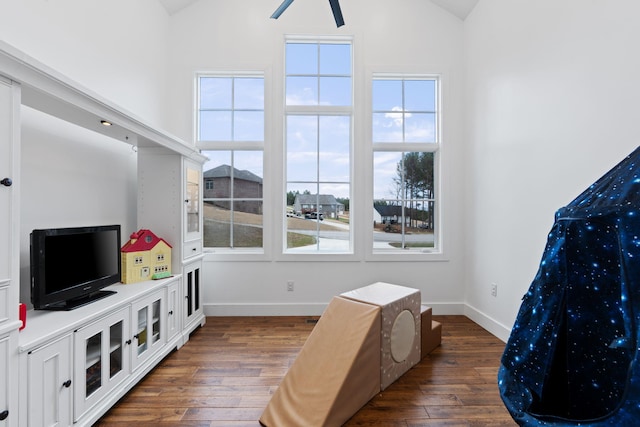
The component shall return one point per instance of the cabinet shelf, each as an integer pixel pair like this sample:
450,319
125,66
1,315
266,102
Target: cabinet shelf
93,357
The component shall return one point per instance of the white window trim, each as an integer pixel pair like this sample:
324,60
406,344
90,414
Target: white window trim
244,254
282,253
361,171
441,236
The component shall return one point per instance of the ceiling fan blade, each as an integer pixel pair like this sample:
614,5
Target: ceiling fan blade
285,4
337,12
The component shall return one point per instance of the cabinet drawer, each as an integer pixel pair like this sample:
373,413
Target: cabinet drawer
192,248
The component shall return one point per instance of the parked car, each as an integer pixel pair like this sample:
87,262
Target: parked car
313,215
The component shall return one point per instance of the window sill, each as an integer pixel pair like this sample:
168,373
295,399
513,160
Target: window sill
251,255
412,256
224,254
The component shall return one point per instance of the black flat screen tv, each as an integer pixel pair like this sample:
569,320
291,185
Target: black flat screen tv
70,266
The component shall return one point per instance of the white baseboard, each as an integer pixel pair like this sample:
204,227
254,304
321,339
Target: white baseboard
297,309
496,328
303,309
316,309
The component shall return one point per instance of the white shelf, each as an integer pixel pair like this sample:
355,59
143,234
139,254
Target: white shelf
44,326
92,358
51,92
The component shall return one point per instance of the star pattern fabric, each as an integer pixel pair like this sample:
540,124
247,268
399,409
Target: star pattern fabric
570,358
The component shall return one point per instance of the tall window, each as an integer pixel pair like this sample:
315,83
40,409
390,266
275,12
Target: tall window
230,131
406,142
318,146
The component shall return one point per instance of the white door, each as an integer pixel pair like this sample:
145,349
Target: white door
50,384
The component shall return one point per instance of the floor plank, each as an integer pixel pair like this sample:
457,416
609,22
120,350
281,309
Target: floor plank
227,372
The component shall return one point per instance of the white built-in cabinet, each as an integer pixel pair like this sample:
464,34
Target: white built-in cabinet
49,378
174,320
169,188
9,245
101,359
149,328
68,368
193,312
78,363
8,412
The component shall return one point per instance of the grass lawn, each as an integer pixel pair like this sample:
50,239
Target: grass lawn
247,231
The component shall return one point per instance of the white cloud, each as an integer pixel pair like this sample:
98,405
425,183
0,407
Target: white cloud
397,117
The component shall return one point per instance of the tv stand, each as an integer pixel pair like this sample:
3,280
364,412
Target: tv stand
96,353
74,303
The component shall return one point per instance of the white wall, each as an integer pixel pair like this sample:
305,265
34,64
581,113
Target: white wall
401,36
70,176
117,49
552,90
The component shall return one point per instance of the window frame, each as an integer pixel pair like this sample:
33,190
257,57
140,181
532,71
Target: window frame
319,111
234,146
437,253
361,158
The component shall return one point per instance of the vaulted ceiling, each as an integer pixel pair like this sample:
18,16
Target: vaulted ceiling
460,8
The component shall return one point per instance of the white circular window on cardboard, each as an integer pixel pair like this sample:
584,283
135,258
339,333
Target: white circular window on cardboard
403,333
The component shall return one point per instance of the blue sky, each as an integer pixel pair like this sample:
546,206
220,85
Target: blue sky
317,146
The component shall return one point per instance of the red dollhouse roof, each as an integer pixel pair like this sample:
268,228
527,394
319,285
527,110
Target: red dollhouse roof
142,240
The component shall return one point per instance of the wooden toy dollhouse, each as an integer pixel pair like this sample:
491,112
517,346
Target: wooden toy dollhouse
144,257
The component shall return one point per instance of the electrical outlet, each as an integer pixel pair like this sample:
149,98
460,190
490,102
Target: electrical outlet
289,285
494,290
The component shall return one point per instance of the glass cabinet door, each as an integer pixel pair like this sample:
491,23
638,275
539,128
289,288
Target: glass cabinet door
192,201
93,364
101,360
192,210
116,350
149,330
141,334
155,319
193,307
193,291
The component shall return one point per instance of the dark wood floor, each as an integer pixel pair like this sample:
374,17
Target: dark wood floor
226,373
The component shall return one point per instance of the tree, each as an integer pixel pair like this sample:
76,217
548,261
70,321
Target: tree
291,197
415,182
344,201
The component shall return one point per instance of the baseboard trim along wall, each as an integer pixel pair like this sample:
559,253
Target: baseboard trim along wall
501,331
496,328
304,309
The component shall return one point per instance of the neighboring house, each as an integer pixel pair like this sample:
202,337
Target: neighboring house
387,214
246,185
144,257
328,205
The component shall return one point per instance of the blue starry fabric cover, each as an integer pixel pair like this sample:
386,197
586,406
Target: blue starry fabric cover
571,357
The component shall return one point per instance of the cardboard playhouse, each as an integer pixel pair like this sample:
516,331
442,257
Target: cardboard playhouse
571,357
364,341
